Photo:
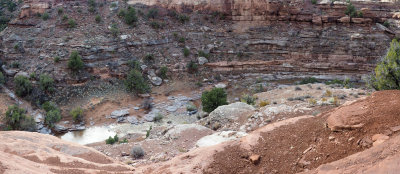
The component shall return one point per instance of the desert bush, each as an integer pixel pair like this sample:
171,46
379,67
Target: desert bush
112,140
212,99
163,72
46,83
387,72
45,16
15,64
148,58
308,80
71,23
97,18
147,104
60,11
48,106
157,25
77,114
16,119
181,40
191,107
114,30
52,116
152,13
249,99
130,16
136,83
192,67
312,101
183,18
2,78
386,24
64,18
158,117
350,9
134,64
137,152
148,132
23,86
297,88
313,1
203,54
186,52
264,103
75,62
57,59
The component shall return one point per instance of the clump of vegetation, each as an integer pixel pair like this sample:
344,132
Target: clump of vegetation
297,88
314,2
71,23
77,114
112,140
92,6
136,83
386,24
16,119
2,78
75,62
65,18
148,58
163,72
191,107
45,16
137,152
387,72
134,64
308,80
97,18
152,13
183,18
52,116
328,93
203,54
264,103
23,86
15,64
114,30
46,83
192,67
148,131
249,99
158,117
312,101
129,16
351,10
48,106
60,11
212,99
57,59
186,52
181,40
157,25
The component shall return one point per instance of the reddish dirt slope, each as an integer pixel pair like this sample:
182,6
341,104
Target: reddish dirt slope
310,143
34,153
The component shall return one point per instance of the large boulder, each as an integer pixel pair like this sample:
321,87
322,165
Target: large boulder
229,117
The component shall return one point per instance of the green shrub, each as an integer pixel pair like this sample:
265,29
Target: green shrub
97,18
158,117
134,64
183,18
130,16
163,72
32,75
203,54
15,64
152,13
71,23
250,100
113,5
16,119
386,24
65,18
309,80
57,59
192,67
77,114
351,10
75,62
46,83
387,72
60,11
23,86
53,116
2,78
313,1
121,13
136,83
110,140
45,16
156,25
114,30
181,40
148,131
186,52
48,106
92,3
148,58
212,99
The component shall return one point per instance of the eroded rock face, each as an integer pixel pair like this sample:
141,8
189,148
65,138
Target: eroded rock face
26,152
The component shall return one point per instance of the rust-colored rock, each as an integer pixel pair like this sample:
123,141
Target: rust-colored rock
255,159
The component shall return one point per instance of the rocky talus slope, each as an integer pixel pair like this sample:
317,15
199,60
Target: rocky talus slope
284,38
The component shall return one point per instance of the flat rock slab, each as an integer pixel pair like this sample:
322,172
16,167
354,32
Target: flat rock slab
120,113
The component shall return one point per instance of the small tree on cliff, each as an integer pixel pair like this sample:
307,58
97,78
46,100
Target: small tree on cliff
75,62
387,73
